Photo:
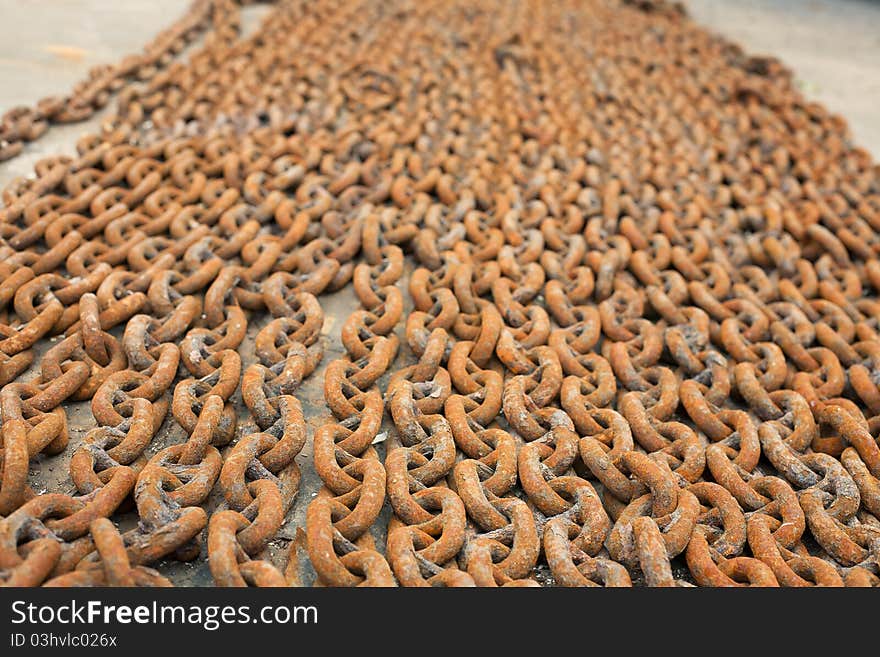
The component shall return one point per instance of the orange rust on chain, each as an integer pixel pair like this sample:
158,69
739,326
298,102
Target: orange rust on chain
617,289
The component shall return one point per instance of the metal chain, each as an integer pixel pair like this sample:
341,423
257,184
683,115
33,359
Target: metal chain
640,333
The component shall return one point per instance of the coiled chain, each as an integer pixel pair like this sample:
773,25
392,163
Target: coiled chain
616,317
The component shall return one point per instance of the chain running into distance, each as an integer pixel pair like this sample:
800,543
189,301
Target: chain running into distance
618,314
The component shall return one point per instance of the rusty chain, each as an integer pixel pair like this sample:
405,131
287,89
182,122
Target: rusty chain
638,342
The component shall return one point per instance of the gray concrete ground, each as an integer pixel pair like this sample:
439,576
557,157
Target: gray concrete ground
833,47
47,46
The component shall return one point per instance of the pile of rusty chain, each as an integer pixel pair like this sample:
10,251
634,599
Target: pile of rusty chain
639,340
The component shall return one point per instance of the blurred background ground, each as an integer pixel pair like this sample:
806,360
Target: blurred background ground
833,47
